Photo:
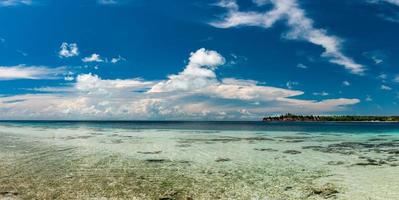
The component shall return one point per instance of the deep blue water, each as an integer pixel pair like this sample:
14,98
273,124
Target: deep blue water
337,127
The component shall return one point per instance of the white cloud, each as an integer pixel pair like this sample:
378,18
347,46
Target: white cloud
93,58
394,2
346,83
194,93
92,84
321,93
384,87
383,76
301,27
68,50
15,2
396,78
377,57
69,78
29,72
291,84
302,66
108,2
368,98
389,16
117,59
198,74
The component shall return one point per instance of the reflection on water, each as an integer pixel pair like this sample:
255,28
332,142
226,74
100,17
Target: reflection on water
97,161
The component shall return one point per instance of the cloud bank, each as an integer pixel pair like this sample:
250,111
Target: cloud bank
195,93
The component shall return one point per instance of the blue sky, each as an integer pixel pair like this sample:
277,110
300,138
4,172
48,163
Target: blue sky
197,59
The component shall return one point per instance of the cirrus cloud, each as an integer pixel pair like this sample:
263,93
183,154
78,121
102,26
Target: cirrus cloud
30,72
15,2
300,27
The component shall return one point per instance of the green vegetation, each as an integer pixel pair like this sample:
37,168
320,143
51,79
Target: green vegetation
341,118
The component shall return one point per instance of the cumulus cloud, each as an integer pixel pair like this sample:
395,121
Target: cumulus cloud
195,93
15,2
301,27
198,74
29,72
93,58
68,50
346,83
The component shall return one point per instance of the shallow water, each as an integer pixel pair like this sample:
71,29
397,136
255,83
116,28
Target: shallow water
198,160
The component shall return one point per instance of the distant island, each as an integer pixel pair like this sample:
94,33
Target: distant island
339,118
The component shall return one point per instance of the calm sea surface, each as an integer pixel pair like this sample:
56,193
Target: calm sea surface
341,127
198,160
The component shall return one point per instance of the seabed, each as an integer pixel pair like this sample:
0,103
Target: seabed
39,162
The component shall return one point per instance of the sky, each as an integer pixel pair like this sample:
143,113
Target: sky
197,59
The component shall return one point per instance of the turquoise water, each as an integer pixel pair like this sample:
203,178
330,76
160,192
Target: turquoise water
198,160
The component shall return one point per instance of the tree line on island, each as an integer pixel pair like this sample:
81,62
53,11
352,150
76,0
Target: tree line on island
337,118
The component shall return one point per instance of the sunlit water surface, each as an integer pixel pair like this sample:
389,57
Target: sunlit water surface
198,160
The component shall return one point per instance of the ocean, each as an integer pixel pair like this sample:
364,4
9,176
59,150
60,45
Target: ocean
198,160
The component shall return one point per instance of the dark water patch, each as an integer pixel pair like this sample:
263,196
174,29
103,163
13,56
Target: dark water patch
335,163
293,141
293,137
76,137
226,139
149,152
266,149
157,160
383,135
388,144
349,148
184,162
368,161
393,151
183,145
391,159
96,133
223,160
293,152
8,195
116,141
326,191
377,139
323,149
335,134
303,133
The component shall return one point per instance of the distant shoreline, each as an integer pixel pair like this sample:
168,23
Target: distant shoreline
336,121
343,118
